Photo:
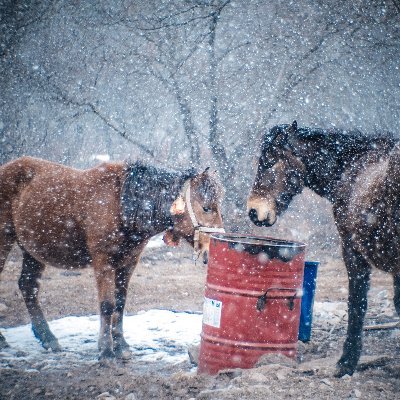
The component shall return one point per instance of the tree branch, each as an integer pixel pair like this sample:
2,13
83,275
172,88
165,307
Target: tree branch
92,108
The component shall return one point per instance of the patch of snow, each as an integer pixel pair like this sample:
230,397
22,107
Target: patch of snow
329,312
156,241
155,336
100,157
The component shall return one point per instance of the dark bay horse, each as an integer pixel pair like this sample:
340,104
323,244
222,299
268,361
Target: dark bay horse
360,176
102,217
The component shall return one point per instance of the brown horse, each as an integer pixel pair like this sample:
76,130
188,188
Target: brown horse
360,176
102,217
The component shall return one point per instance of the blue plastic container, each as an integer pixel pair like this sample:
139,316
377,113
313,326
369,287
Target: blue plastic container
307,301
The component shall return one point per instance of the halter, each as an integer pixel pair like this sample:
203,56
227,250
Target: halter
197,227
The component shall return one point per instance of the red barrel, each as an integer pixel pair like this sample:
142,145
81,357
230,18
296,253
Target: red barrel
252,300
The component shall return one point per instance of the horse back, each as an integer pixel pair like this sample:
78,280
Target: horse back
368,209
60,214
14,176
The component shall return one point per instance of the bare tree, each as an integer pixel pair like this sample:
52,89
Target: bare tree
173,36
204,78
335,38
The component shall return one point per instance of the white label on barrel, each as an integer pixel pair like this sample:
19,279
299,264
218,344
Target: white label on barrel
212,312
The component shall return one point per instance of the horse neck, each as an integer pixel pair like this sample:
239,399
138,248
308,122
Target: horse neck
147,195
326,161
323,179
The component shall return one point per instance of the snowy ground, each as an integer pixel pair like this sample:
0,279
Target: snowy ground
160,367
155,336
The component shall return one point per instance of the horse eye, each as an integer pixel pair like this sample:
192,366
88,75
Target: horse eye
206,209
267,163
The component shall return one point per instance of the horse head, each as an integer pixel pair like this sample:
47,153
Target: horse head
280,176
197,211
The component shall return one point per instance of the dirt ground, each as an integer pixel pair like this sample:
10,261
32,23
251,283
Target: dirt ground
169,279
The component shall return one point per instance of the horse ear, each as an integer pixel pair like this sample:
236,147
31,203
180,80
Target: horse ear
189,174
293,128
212,173
206,172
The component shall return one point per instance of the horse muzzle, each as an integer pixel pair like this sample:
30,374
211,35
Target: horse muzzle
261,211
205,257
268,218
201,243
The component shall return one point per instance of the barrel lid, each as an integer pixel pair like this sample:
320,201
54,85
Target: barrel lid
253,244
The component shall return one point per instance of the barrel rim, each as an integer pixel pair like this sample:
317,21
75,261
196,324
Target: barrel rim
264,240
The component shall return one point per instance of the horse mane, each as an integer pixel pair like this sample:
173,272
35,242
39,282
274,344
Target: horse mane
147,195
347,144
327,153
342,145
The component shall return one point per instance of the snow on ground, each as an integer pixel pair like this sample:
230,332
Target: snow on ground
156,241
330,312
155,336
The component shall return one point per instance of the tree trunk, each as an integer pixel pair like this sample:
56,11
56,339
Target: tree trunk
188,125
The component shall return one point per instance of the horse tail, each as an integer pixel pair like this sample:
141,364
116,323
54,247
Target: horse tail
14,175
393,173
393,193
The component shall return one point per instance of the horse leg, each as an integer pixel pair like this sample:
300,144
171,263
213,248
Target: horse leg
105,279
396,297
122,278
3,342
7,239
29,286
358,271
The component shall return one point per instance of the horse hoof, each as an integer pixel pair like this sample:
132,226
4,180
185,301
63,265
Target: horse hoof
343,369
106,355
123,354
52,345
55,347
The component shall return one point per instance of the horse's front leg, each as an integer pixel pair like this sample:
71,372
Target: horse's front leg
122,278
29,286
358,271
105,279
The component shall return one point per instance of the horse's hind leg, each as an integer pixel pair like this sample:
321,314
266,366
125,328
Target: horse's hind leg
3,342
29,286
358,272
7,239
396,297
